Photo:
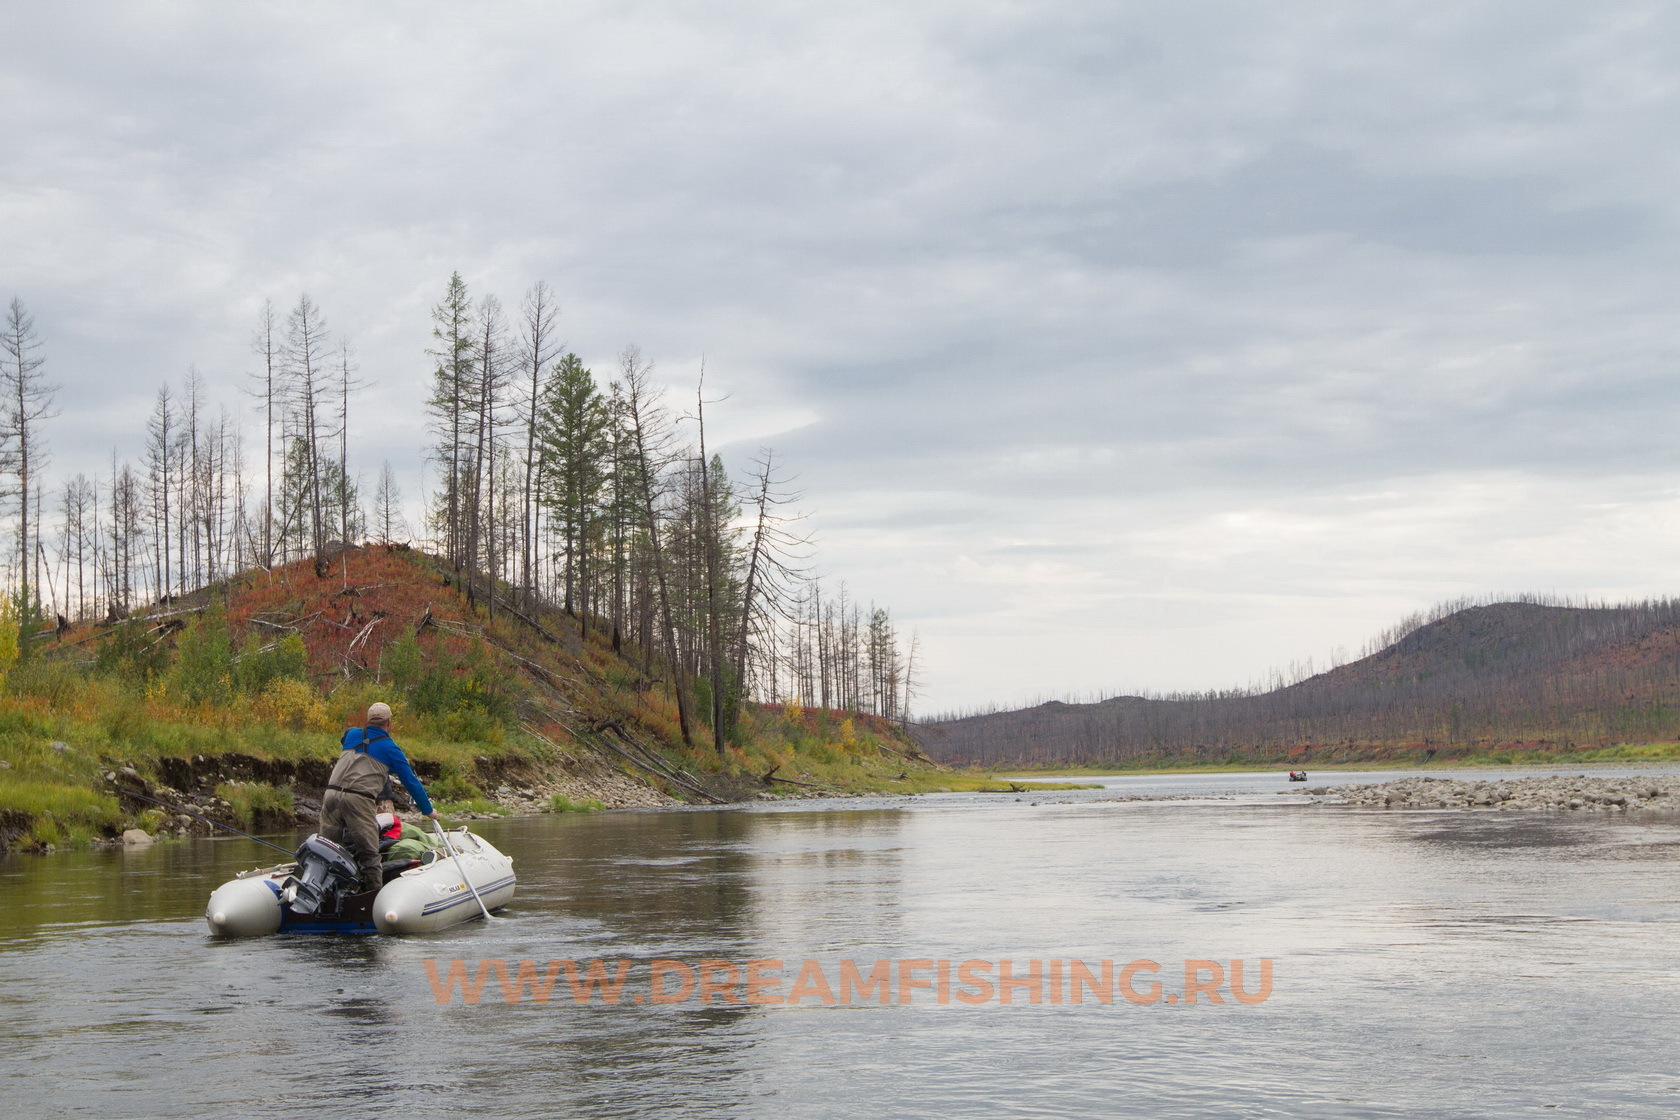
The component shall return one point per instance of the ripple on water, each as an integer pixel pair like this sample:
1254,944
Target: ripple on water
1440,965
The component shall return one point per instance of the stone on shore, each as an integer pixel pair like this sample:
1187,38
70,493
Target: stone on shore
1565,792
135,838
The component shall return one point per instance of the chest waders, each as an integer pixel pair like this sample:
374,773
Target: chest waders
358,772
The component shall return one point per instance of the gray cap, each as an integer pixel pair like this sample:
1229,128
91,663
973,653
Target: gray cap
379,712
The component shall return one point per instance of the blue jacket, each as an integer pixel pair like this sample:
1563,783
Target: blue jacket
382,748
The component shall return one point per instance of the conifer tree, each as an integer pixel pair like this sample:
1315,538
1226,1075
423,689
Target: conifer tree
453,327
574,448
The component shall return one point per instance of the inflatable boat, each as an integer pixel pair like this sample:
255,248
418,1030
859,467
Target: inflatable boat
317,893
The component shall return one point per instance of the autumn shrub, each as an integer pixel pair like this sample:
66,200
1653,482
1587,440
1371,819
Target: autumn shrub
476,727
293,705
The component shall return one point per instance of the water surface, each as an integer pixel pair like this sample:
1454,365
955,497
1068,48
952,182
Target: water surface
1426,963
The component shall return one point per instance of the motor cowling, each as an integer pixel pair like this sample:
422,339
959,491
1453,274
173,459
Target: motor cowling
324,869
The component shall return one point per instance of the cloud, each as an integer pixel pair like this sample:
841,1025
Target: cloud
1113,344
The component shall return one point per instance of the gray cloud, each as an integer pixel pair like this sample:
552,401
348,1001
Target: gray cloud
1115,345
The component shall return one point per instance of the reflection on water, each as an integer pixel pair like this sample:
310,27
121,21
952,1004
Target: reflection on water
1426,964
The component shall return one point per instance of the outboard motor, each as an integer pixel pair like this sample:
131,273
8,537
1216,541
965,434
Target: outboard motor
324,869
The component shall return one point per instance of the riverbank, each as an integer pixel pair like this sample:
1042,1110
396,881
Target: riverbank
231,702
1630,753
1573,793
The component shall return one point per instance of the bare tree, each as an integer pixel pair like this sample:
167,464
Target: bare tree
773,556
163,438
650,436
538,316
29,400
387,503
489,380
306,366
80,516
270,389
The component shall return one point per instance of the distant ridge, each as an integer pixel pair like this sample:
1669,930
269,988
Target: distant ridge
1509,675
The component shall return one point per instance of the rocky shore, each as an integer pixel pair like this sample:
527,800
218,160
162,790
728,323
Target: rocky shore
1575,792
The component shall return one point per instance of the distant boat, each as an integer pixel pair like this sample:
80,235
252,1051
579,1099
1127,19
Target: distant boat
1297,775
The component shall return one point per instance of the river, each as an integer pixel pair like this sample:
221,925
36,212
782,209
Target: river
1422,964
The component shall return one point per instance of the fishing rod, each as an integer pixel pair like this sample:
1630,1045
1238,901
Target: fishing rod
461,867
206,820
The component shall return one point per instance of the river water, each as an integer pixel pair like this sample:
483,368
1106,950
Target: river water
1423,964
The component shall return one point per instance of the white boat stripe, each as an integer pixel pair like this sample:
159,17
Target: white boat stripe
436,907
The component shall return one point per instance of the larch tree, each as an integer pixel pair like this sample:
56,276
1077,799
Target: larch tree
453,330
573,448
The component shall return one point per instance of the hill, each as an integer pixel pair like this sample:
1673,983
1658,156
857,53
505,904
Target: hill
231,702
1488,680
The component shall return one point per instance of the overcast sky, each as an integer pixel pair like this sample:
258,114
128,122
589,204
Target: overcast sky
1116,346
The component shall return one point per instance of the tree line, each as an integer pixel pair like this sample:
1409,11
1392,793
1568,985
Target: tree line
549,485
1465,675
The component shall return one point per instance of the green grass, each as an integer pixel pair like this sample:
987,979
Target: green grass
55,813
560,803
252,802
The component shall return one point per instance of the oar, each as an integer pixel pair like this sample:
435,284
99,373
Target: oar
206,820
461,867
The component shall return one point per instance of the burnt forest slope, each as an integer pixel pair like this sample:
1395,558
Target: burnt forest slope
1504,676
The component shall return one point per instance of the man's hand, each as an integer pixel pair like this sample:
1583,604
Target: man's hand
433,815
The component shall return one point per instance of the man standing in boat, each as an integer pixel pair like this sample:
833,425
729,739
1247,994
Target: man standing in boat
370,758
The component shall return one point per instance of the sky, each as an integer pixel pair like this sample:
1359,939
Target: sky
1115,346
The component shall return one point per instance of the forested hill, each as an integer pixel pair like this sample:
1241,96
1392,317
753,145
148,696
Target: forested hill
1500,677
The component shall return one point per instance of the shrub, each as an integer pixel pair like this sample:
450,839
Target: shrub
292,704
9,634
403,661
434,693
467,725
261,663
452,785
203,671
24,620
130,651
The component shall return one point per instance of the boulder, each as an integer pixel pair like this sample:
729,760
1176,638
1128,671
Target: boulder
136,838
